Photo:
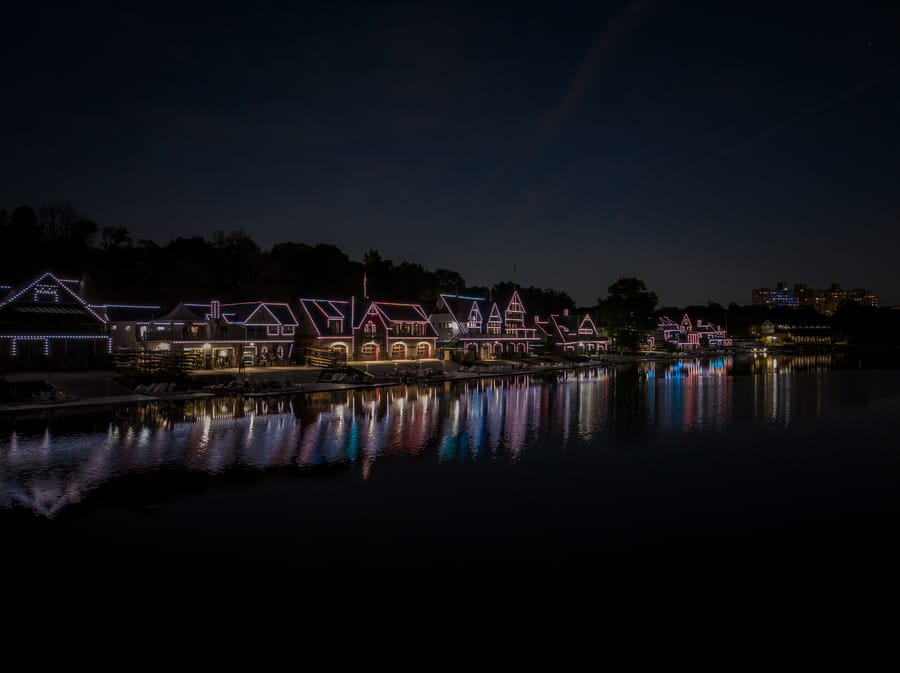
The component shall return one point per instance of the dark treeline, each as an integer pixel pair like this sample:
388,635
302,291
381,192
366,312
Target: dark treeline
230,266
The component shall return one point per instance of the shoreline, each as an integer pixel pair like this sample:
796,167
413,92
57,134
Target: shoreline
306,379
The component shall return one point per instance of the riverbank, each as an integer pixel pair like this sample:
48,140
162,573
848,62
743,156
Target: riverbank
78,390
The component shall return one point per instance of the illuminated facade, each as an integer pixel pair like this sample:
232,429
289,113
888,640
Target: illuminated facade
45,325
780,297
573,335
222,335
686,335
481,329
802,334
327,324
394,331
374,330
125,322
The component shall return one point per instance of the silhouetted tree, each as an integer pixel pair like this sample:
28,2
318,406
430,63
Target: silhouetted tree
114,238
628,311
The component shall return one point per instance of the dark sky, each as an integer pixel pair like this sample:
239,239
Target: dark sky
705,147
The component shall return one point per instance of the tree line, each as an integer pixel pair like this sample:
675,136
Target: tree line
117,268
231,266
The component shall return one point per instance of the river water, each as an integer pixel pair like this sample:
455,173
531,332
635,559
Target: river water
756,470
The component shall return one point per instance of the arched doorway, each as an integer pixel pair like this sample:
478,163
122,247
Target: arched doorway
398,351
370,351
340,350
423,350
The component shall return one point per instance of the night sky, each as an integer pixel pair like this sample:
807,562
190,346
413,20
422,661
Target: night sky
705,147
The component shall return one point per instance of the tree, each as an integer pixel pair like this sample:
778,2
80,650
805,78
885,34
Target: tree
66,227
114,238
449,282
628,311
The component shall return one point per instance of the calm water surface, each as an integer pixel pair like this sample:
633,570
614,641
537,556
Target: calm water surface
658,474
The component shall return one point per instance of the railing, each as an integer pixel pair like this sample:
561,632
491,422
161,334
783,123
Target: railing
324,357
154,361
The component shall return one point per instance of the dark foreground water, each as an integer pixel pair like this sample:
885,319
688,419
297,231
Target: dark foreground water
698,474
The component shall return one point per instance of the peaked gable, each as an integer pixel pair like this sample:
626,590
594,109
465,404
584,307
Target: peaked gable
49,294
462,309
372,312
588,326
183,313
261,316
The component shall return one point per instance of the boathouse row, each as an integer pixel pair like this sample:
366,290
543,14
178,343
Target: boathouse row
48,324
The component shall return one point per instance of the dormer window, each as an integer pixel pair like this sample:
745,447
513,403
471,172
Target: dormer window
46,293
370,328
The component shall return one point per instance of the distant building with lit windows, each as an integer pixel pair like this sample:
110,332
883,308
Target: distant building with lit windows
779,297
825,301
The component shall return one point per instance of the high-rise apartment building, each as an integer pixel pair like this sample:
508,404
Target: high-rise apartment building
825,301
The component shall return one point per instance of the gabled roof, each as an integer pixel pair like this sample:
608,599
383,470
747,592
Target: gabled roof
394,312
255,314
320,311
568,327
495,314
544,326
282,313
389,312
129,312
461,307
47,284
181,313
506,298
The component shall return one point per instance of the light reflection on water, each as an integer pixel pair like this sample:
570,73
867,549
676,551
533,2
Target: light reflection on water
49,468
